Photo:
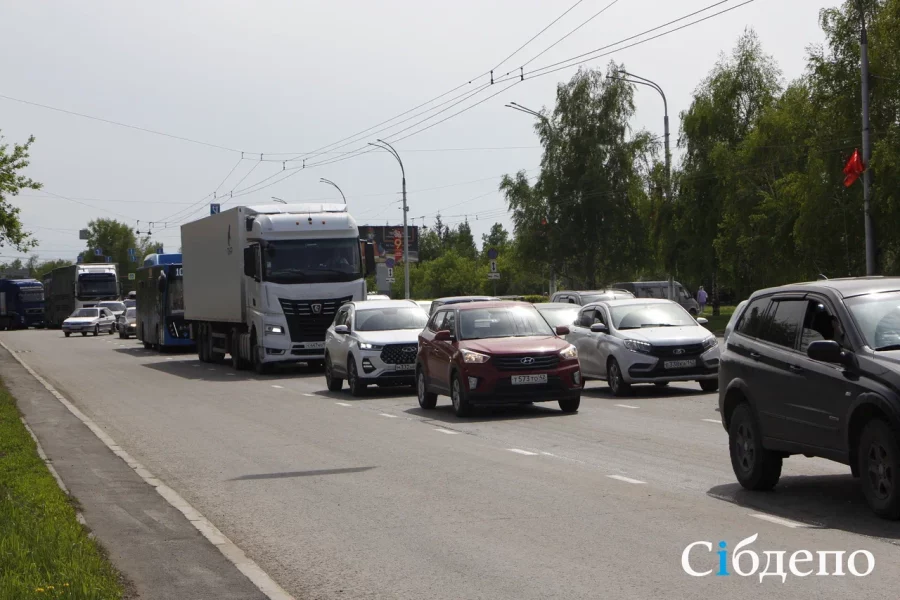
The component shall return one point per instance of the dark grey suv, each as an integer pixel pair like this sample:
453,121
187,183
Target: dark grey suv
814,369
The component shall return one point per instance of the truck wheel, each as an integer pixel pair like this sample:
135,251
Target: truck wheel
202,338
334,383
67,333
879,467
237,363
259,366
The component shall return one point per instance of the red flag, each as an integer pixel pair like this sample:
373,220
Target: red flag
853,169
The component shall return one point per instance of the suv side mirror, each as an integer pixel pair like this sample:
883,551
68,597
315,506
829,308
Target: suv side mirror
250,262
563,330
443,336
599,328
341,329
370,259
827,351
702,321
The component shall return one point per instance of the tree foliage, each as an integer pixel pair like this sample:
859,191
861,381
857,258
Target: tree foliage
111,238
12,162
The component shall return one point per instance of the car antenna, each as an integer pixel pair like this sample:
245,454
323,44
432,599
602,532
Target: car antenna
822,277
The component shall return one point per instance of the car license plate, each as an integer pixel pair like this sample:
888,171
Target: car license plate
311,345
404,367
527,379
680,364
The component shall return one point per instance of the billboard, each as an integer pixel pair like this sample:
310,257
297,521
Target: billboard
388,241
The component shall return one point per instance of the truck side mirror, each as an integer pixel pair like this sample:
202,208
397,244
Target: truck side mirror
250,262
161,284
370,259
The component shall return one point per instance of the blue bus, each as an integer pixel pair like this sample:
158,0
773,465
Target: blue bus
160,303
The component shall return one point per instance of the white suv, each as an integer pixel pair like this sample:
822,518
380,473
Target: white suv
375,341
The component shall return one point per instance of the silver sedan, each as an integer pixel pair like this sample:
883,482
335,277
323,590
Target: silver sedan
644,340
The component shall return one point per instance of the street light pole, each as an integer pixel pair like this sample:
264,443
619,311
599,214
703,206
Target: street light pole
867,144
335,186
385,146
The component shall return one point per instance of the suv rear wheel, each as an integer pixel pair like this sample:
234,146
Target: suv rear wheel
879,469
755,467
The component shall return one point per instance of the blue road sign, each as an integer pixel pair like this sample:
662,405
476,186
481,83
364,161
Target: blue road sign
98,252
159,250
131,252
492,254
214,209
389,263
80,259
109,259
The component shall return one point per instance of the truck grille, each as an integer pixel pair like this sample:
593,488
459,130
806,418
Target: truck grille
677,351
308,319
526,362
399,354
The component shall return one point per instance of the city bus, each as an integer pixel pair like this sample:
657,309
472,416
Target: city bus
160,303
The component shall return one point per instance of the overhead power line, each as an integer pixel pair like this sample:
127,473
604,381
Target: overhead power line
535,36
583,23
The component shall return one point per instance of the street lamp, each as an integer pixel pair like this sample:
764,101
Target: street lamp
387,147
335,186
278,200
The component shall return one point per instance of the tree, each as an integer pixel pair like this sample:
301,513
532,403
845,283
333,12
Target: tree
110,238
41,269
497,238
430,242
11,183
463,241
583,215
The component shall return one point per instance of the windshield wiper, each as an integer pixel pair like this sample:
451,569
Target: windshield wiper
658,325
889,347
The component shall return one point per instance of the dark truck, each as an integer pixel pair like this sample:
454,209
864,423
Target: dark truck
21,303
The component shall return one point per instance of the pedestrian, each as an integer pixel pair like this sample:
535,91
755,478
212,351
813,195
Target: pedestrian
701,299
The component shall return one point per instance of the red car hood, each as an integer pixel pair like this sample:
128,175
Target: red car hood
516,345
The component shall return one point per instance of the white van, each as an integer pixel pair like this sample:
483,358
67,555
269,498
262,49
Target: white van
660,289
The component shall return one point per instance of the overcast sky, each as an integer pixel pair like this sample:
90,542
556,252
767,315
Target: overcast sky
292,76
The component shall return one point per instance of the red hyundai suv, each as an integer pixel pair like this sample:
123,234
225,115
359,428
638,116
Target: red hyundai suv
495,353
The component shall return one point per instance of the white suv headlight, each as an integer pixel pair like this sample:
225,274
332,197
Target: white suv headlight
274,329
474,357
368,346
569,353
638,346
710,342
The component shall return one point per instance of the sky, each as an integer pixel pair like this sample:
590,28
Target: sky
293,77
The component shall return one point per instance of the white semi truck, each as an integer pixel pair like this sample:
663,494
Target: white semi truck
69,288
263,283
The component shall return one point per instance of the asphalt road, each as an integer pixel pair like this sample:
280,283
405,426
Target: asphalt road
337,497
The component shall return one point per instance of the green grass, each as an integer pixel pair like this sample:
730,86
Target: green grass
717,324
44,551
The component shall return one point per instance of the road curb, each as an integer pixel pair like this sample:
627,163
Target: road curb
229,550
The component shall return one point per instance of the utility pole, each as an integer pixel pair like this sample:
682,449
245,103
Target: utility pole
385,146
866,142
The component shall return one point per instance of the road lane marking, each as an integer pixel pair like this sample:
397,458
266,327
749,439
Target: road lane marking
232,375
310,395
626,406
229,550
716,421
525,452
548,454
382,414
343,404
779,521
170,359
442,430
626,479
278,387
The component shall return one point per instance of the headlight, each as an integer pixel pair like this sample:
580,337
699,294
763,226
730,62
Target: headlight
638,346
275,329
368,346
474,357
710,342
569,353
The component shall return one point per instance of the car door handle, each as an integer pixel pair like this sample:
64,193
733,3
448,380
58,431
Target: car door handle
795,369
755,355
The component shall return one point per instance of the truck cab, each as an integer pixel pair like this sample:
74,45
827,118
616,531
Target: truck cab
21,303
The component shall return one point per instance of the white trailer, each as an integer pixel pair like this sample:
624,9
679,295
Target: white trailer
263,283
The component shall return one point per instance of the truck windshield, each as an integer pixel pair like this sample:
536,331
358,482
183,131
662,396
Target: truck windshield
311,261
97,285
34,294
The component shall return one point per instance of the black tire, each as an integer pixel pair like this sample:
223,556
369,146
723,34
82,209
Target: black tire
202,344
460,398
661,384
693,312
67,333
357,387
427,400
879,468
259,366
570,405
147,345
755,467
111,330
236,363
84,334
617,384
123,335
709,385
96,330
333,382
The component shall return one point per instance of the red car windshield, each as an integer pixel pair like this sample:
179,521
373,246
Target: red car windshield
513,321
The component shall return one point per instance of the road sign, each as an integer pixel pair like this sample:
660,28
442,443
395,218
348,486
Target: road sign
390,280
214,209
492,254
109,259
493,266
389,263
493,275
98,252
131,277
133,258
131,252
83,234
159,250
80,259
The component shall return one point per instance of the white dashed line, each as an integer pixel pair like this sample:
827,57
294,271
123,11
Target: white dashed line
170,359
625,479
779,521
626,406
382,414
717,421
343,404
232,375
548,454
310,395
210,369
196,366
447,431
525,452
278,387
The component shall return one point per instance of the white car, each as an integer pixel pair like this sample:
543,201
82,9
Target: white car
558,314
89,320
734,317
116,307
644,340
375,341
126,323
377,297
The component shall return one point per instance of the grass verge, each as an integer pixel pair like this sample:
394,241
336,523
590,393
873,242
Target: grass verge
717,323
44,551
